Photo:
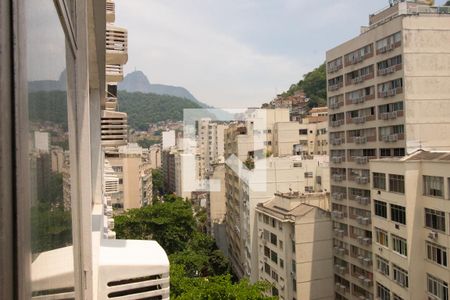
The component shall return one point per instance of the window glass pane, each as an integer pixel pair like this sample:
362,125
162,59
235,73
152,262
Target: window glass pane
51,225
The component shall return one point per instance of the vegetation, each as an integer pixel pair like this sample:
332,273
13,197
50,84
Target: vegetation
148,108
314,85
157,183
198,269
146,143
48,107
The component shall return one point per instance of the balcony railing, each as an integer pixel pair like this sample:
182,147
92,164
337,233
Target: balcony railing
335,105
390,92
389,70
360,140
361,160
362,200
116,45
338,232
361,179
114,73
337,196
389,115
337,141
335,87
338,177
111,104
337,123
337,159
363,220
392,138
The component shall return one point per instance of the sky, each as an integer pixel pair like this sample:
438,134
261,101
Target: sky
236,53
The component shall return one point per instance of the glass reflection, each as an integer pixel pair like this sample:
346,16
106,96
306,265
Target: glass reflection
51,224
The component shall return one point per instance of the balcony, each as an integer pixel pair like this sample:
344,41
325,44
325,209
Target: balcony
110,11
361,179
365,261
338,177
364,241
366,282
337,141
389,115
365,221
335,87
337,123
336,214
360,160
339,233
114,128
390,92
358,100
362,200
359,120
337,196
360,140
342,289
116,45
114,73
389,70
340,269
392,138
337,159
335,105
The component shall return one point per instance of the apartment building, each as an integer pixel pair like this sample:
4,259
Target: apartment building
246,188
77,257
411,226
134,173
295,252
388,95
210,145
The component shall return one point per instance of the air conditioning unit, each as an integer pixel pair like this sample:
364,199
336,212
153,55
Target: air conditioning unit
433,235
364,200
367,241
367,262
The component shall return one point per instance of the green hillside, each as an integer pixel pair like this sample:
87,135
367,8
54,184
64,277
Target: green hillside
148,108
314,85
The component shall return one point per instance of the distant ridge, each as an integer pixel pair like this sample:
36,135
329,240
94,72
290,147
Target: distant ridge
137,82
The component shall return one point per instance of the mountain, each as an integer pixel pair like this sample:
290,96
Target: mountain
314,85
143,109
137,82
49,85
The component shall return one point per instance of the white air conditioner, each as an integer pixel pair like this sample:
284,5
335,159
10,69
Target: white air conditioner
433,235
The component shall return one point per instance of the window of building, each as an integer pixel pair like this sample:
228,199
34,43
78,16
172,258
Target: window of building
397,183
275,276
399,151
380,208
273,239
274,222
267,268
400,275
274,256
435,219
379,181
266,251
266,235
385,152
294,267
308,174
266,219
274,291
383,293
399,245
381,237
294,284
437,287
281,263
433,186
398,214
303,132
281,244
437,254
382,266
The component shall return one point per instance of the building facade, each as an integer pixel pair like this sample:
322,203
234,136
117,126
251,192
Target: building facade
411,226
295,245
388,95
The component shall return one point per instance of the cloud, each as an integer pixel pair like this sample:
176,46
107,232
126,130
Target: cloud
173,48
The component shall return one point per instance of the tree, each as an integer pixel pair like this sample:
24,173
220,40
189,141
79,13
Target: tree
170,223
183,287
146,143
157,183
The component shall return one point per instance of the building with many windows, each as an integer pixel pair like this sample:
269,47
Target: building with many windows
410,224
388,95
295,252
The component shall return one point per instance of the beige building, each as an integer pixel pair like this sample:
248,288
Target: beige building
135,189
388,95
210,145
295,252
245,189
411,226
